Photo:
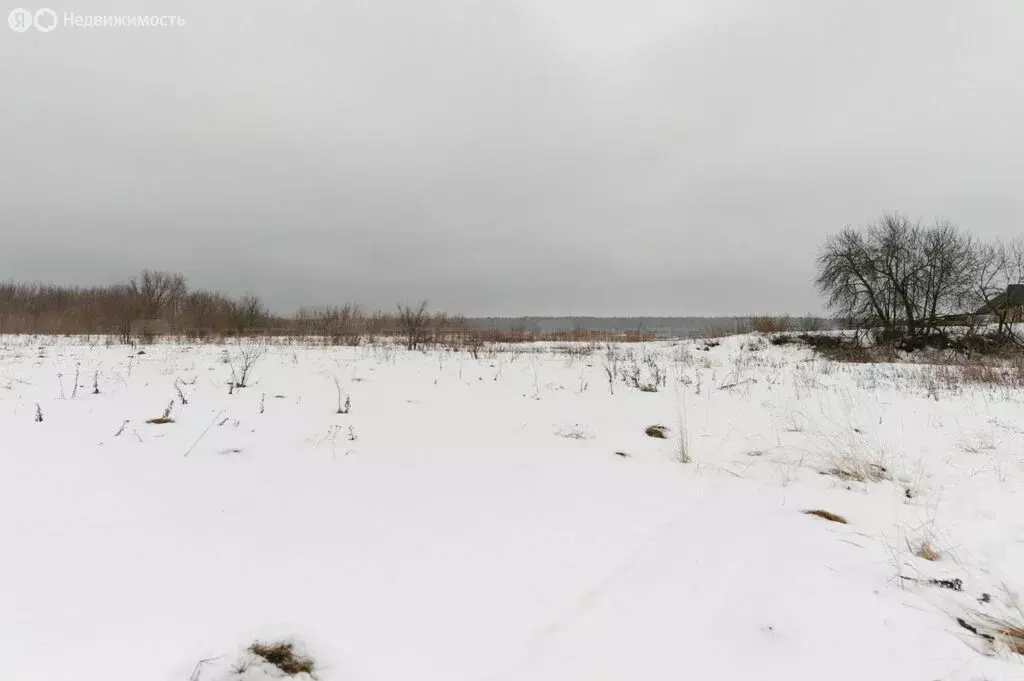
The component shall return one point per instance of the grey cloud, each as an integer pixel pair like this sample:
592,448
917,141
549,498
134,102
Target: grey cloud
506,157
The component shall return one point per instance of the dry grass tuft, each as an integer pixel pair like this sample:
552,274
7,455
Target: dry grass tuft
166,418
927,551
660,432
1001,632
827,515
853,468
683,449
282,655
1011,636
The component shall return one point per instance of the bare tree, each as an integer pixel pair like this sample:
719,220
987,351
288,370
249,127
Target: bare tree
941,285
900,276
204,312
849,279
248,313
413,323
159,293
125,310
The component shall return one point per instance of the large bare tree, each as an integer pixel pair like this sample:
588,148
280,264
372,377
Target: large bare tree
903,277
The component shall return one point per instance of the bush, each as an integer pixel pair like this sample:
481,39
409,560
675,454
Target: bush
249,352
783,339
833,347
767,324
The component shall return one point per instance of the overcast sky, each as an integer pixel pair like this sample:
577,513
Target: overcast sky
661,157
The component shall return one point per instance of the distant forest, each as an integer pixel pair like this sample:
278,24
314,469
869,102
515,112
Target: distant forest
660,327
160,303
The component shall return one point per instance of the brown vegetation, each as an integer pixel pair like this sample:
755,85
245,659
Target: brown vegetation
160,304
282,655
853,468
1002,632
660,432
827,515
767,324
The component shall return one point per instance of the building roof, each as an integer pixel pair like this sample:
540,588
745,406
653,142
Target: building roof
1012,297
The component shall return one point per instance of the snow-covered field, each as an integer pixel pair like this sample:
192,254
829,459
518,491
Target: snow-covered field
502,517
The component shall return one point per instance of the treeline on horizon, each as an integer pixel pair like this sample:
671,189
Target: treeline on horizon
158,303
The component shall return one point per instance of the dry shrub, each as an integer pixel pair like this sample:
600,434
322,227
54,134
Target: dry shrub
769,324
840,349
756,344
984,372
740,326
981,373
248,353
645,374
1007,372
282,655
827,515
575,350
660,432
783,339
